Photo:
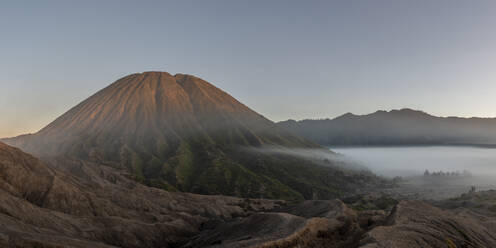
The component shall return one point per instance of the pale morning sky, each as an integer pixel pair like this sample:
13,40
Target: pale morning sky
284,59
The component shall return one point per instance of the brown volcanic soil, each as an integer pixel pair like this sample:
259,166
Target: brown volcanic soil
418,224
94,206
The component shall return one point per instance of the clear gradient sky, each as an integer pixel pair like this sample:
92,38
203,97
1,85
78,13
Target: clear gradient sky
284,59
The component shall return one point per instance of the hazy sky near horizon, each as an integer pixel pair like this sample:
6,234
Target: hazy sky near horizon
284,59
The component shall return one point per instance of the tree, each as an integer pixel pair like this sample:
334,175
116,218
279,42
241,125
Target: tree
472,190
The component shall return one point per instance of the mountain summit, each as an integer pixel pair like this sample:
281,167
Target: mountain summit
182,133
150,109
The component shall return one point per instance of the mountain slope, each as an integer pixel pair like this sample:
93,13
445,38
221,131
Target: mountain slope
396,127
152,106
182,133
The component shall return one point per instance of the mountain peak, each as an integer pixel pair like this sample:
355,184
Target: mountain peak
177,132
348,115
150,105
409,112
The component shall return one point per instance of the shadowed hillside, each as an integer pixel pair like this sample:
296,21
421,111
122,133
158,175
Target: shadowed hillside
73,203
396,127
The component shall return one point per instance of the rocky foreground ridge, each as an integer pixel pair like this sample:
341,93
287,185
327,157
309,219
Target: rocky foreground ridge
72,203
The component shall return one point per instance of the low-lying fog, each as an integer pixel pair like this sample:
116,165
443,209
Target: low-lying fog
412,161
453,170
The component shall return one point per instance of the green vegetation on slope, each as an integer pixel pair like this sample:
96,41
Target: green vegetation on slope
199,166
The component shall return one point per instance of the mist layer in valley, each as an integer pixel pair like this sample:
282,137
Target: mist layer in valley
320,156
429,172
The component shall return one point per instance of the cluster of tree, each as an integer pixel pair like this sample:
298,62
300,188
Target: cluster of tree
464,173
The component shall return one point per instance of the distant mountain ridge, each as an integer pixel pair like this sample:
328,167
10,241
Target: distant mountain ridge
395,127
181,133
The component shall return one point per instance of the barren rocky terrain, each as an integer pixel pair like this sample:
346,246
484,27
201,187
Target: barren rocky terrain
72,203
85,205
